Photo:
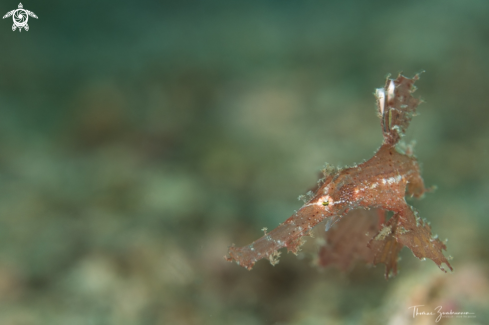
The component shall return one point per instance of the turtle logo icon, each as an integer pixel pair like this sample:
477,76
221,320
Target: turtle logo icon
20,16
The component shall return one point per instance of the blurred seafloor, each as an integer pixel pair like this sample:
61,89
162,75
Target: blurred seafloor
138,140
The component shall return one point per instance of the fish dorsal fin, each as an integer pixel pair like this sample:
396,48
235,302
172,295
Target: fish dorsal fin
396,106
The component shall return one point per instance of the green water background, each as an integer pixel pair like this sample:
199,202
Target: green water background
138,140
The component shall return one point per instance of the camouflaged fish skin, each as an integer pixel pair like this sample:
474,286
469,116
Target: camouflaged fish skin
379,183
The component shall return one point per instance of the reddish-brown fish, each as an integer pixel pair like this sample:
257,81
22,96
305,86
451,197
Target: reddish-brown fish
379,183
